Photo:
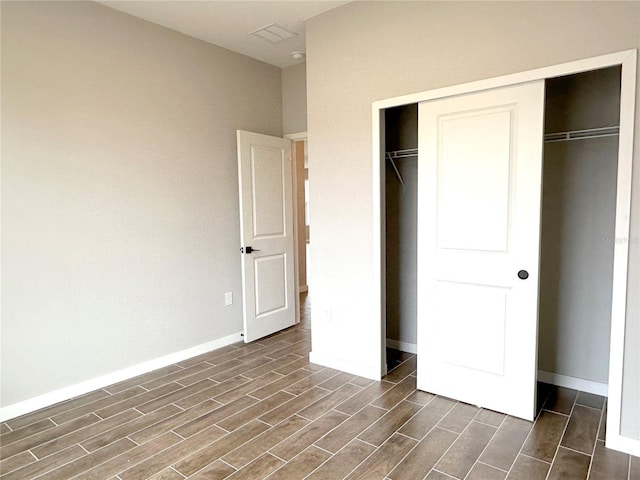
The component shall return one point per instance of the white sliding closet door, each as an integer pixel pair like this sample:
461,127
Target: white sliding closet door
478,238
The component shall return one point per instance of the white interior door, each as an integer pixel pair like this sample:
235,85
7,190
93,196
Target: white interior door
266,232
478,232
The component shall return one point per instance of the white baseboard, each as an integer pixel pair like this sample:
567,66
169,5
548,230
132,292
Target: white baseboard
365,371
623,444
72,391
402,346
573,382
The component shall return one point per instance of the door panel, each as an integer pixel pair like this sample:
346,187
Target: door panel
270,284
478,225
268,191
266,213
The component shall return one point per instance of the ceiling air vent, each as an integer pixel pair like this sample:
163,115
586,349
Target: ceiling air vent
273,33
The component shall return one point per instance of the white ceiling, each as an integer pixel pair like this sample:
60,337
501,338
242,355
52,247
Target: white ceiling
229,23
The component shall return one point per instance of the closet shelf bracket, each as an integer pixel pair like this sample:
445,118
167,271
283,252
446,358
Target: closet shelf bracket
398,154
395,169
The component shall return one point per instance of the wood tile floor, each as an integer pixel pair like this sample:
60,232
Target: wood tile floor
263,411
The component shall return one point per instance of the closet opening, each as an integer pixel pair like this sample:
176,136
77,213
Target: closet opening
585,211
580,167
401,208
578,207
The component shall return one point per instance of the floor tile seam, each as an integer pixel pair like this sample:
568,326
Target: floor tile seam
221,459
175,378
330,410
535,421
56,467
277,444
590,407
488,424
477,460
564,431
434,469
334,428
277,456
303,391
447,430
345,400
95,410
161,452
575,451
138,405
171,468
533,458
492,466
399,426
55,439
7,472
200,470
19,439
557,413
403,399
175,400
256,418
411,450
281,378
142,460
375,449
130,433
244,394
595,445
59,404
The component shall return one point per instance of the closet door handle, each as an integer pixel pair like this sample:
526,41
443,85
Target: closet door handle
523,274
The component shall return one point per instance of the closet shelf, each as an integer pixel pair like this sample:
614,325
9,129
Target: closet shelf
409,152
397,155
581,134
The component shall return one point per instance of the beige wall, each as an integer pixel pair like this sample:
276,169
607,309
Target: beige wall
294,99
120,228
367,51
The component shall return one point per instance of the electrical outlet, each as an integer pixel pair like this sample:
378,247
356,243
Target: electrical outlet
228,298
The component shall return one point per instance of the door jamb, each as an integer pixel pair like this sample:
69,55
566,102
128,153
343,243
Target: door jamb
296,137
627,59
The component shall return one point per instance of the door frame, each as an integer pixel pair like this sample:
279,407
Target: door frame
627,59
296,137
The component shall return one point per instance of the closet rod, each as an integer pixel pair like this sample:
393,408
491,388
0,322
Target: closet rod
580,134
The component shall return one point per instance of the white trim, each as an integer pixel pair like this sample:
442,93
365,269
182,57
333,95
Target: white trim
573,382
296,137
72,391
624,444
379,228
627,59
345,366
402,346
621,252
296,232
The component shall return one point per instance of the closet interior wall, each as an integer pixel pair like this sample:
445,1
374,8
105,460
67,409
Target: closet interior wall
577,237
401,208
